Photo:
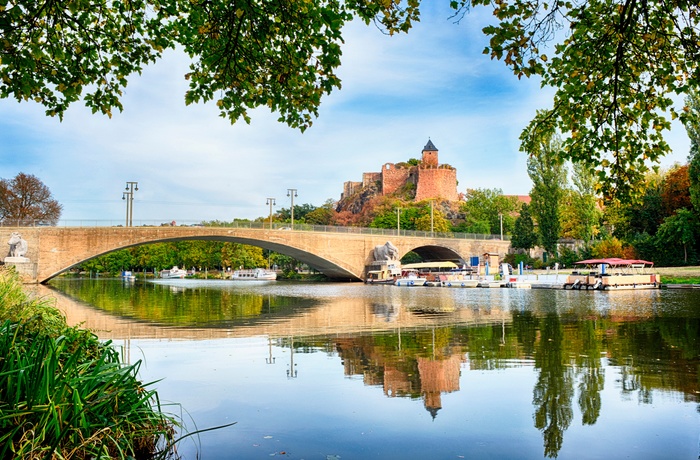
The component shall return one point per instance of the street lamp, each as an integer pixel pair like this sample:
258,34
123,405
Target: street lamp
398,221
500,215
271,202
126,196
131,187
292,192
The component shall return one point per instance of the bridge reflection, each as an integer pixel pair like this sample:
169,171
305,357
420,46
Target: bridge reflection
396,309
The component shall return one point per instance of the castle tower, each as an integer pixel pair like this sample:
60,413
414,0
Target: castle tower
430,155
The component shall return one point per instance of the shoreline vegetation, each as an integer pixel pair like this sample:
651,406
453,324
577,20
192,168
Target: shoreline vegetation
66,395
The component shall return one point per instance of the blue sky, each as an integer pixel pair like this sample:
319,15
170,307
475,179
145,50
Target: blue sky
192,165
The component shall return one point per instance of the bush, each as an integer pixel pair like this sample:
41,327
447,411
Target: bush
65,394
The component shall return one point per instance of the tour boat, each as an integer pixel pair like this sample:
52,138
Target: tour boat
410,278
255,274
174,272
383,272
614,274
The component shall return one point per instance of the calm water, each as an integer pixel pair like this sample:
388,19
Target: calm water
348,371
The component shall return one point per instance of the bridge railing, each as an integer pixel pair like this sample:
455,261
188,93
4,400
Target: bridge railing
276,226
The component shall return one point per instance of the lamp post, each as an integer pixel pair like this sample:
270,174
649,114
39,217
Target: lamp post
126,197
131,187
500,215
271,202
292,192
398,221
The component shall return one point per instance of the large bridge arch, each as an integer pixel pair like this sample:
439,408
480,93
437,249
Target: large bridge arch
340,253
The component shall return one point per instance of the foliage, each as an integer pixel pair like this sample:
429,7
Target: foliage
524,235
615,71
609,247
682,228
548,177
675,190
484,208
692,126
25,200
63,394
580,216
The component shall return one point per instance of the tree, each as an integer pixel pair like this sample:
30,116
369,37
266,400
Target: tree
675,192
615,63
548,175
524,235
484,209
692,126
682,228
25,200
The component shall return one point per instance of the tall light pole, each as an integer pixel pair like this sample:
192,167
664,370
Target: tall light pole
131,187
126,196
398,221
271,202
292,192
500,215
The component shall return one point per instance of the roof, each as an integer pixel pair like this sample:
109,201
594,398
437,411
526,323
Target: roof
614,261
430,146
441,264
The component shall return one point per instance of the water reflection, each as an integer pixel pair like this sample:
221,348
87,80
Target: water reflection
590,352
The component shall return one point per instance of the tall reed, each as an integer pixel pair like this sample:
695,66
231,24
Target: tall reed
64,394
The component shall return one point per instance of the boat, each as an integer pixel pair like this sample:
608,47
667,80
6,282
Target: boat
383,272
410,278
255,274
174,272
127,275
459,283
613,274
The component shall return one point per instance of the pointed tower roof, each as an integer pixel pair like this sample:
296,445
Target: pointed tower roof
430,146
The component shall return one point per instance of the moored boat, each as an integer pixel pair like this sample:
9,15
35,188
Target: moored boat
613,274
383,272
255,274
410,278
174,272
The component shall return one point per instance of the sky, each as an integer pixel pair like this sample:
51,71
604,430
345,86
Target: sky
192,165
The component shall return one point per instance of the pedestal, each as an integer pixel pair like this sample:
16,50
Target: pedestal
23,266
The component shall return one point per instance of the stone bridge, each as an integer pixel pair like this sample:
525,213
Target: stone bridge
341,253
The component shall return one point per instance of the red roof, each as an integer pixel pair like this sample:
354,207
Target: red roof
613,261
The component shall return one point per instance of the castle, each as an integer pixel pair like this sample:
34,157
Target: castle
430,179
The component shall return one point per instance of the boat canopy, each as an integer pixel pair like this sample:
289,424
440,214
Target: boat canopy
431,265
614,262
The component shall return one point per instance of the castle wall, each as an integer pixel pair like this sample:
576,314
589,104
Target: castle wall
370,177
393,178
349,188
437,183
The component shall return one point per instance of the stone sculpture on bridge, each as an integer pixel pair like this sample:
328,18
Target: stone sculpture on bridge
386,251
18,248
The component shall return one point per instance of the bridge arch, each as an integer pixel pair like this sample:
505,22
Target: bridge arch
435,253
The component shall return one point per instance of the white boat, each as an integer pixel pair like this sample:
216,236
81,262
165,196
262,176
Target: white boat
127,275
410,278
383,272
174,272
464,283
255,274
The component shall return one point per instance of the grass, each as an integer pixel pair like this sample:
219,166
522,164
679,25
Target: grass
680,279
66,395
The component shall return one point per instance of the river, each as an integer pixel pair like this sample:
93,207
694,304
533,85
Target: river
350,371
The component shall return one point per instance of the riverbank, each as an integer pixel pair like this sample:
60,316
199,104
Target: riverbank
65,394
